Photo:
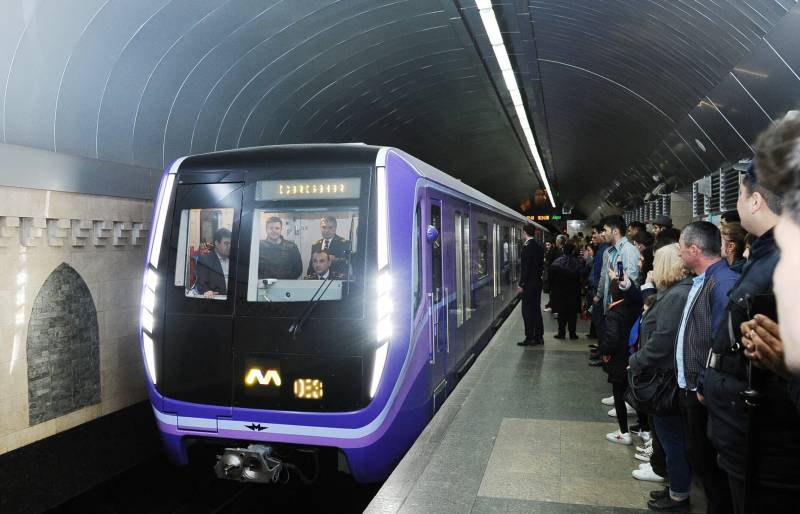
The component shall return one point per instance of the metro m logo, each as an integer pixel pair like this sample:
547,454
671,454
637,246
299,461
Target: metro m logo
265,378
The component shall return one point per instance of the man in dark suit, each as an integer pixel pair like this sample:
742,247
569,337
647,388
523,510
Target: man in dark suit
336,246
530,286
321,262
213,268
277,257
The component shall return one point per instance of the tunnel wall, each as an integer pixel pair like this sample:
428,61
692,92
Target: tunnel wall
102,239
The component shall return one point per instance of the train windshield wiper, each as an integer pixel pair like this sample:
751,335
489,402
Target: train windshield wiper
297,327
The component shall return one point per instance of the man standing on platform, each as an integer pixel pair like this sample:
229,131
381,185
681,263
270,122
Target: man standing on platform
530,287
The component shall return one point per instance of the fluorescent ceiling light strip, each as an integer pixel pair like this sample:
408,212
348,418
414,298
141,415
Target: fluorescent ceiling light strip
501,54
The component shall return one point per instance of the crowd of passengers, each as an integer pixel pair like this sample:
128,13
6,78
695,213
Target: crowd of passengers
699,334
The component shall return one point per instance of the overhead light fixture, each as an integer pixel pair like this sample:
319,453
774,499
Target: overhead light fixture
492,29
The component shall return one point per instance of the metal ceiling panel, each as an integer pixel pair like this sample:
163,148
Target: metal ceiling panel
720,131
771,83
739,109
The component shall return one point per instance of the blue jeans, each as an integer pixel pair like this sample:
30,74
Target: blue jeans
670,434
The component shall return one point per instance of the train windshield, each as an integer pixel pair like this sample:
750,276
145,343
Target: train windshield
304,241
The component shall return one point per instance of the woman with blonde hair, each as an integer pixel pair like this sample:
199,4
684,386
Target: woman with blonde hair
656,354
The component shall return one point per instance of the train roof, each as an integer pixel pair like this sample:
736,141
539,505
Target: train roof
344,154
426,170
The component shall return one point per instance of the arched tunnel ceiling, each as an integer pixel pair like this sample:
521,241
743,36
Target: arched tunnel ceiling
618,76
146,81
619,91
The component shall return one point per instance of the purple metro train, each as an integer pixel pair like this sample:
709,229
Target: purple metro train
311,302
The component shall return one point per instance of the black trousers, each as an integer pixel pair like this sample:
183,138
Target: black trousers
598,320
618,390
565,318
532,312
701,454
764,500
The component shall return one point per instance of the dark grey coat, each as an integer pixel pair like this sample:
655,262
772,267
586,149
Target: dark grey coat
659,329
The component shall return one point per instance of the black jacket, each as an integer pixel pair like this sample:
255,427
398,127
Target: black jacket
339,248
617,327
280,260
532,257
210,276
777,420
659,329
565,284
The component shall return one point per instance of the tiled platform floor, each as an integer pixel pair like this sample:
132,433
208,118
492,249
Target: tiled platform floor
524,431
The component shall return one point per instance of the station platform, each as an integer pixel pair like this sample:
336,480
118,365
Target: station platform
524,431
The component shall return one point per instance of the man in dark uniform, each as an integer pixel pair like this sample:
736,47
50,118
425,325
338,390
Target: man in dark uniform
213,268
277,257
336,246
321,262
530,286
758,442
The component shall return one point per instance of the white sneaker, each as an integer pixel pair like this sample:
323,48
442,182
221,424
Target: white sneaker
613,412
608,401
647,474
645,466
620,438
647,437
645,455
647,446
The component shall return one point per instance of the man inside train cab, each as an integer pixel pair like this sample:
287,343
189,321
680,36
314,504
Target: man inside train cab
335,245
321,262
212,268
277,257
530,287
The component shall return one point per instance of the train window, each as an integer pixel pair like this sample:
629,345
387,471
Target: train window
297,255
436,254
467,270
505,269
495,258
459,270
204,247
482,263
416,264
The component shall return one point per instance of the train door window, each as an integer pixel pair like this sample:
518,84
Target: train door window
467,269
459,270
416,264
436,253
203,263
482,263
505,253
495,258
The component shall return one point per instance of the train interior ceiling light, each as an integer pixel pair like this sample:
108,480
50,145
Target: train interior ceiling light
492,29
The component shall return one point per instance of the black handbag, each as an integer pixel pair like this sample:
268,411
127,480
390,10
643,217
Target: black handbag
653,392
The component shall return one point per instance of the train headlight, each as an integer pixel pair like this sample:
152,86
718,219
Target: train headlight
383,327
377,368
149,356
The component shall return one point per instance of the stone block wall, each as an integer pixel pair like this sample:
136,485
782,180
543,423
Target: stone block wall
103,240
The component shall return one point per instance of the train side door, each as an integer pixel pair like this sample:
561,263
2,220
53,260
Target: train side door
456,227
437,308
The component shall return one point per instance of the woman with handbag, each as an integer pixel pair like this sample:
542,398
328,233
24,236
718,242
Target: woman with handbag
652,373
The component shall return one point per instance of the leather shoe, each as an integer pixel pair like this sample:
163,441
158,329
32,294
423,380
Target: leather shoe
573,337
667,504
659,493
526,343
559,336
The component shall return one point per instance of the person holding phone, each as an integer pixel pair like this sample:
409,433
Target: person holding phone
621,251
758,447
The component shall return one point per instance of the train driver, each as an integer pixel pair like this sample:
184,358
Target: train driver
321,262
277,257
212,268
336,246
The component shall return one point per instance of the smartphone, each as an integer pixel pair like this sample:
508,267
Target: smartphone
764,304
620,270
